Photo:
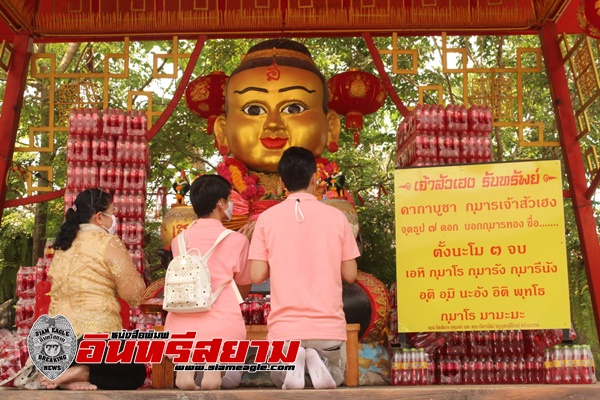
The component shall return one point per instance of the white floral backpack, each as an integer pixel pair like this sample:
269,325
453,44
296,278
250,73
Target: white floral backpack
188,287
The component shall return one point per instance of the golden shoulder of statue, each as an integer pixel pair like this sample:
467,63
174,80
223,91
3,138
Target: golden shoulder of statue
275,99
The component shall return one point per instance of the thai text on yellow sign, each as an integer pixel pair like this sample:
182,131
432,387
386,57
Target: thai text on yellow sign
481,247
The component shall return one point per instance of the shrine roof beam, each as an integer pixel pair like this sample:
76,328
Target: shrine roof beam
61,20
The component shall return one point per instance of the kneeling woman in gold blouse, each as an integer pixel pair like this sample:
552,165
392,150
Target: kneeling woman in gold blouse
90,270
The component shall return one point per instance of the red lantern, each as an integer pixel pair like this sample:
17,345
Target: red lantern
355,93
205,97
592,12
592,30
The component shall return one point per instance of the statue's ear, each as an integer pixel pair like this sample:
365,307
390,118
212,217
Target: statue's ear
334,127
220,123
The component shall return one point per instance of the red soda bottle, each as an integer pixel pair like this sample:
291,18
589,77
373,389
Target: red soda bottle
539,365
489,373
568,370
406,367
577,375
500,369
512,370
257,310
519,345
443,373
530,366
548,367
415,371
559,365
521,369
468,371
457,371
589,370
478,370
267,309
245,308
395,366
425,371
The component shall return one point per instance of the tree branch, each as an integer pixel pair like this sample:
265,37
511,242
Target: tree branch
151,78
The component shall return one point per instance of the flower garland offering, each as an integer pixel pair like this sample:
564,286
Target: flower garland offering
249,185
329,177
238,175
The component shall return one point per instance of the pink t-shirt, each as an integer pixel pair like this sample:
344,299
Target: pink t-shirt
224,320
305,260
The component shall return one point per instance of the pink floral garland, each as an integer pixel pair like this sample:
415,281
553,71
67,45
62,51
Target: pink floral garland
238,175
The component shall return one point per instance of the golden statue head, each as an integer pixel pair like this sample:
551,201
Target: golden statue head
276,98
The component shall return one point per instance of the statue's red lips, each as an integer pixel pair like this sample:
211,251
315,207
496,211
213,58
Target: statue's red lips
274,143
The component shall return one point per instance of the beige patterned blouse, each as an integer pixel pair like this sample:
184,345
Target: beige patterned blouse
87,279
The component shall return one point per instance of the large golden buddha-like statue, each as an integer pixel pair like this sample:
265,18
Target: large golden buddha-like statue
276,98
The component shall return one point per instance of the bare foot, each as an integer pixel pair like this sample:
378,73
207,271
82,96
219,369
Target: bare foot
77,373
78,386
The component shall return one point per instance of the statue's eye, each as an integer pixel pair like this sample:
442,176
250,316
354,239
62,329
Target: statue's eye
254,110
294,108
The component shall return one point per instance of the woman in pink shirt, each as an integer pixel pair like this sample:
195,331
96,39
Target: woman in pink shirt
209,195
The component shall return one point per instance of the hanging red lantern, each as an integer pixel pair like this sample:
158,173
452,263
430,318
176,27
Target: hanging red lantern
589,28
205,97
592,12
355,93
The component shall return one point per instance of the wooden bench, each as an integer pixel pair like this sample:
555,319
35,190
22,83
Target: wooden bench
163,376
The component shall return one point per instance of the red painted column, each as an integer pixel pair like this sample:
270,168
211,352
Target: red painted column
573,158
11,108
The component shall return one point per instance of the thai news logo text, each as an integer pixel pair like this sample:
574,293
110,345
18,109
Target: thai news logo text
185,352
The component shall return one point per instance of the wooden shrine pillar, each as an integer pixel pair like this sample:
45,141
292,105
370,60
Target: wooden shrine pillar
11,108
574,163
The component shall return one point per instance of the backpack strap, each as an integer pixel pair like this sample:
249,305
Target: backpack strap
181,244
206,256
222,236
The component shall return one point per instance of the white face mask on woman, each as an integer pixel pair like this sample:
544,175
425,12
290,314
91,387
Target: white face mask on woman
229,211
113,227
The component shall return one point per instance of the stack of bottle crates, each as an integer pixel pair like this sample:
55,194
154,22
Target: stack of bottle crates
491,357
110,150
434,135
12,357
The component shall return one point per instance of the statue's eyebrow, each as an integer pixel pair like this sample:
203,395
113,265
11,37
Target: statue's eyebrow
285,89
249,88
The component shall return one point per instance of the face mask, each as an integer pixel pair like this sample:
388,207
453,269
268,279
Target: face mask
113,227
229,211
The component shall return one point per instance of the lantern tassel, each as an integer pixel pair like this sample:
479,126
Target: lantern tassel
356,138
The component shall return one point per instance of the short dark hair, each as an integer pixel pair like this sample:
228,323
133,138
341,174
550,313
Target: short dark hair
206,191
87,203
287,61
296,167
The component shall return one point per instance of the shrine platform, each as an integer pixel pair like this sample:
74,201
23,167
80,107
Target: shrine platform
463,392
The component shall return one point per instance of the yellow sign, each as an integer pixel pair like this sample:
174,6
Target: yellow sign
481,247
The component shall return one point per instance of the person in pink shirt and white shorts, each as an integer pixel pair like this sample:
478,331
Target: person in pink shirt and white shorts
306,248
